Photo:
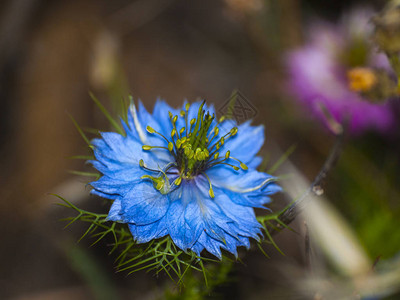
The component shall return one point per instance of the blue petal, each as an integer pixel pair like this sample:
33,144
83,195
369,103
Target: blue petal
232,244
197,248
160,113
253,164
238,181
103,195
193,213
122,149
179,231
202,214
115,210
146,233
122,154
211,245
130,173
109,186
143,204
137,129
249,200
245,220
246,143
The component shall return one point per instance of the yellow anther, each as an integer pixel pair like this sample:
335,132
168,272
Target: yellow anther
178,143
234,130
187,106
178,180
182,113
170,146
182,130
202,155
146,147
173,132
160,184
211,193
192,121
221,119
207,154
236,168
361,79
183,139
227,154
175,119
216,155
170,114
216,130
243,166
191,154
222,140
197,154
218,146
187,150
150,129
141,163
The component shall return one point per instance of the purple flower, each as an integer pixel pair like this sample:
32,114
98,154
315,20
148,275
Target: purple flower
320,71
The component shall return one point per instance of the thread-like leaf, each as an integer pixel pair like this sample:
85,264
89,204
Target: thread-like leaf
105,112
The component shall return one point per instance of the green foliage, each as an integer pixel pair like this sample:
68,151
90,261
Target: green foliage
217,275
158,255
112,121
272,223
368,195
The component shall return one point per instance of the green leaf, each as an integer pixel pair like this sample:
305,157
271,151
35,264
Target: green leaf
281,160
114,123
83,135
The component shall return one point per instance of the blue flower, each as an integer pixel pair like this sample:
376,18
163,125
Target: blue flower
184,174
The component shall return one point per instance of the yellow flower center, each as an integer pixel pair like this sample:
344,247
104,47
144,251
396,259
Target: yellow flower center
361,79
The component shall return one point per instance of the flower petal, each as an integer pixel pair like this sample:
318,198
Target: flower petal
115,210
143,204
239,181
146,233
179,231
246,143
111,186
160,113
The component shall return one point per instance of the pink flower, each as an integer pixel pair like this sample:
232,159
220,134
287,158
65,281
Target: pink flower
319,73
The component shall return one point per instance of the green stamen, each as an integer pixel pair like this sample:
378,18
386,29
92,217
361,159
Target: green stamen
191,147
150,129
210,191
170,146
147,147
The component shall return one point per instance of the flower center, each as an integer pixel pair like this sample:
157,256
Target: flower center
361,79
195,148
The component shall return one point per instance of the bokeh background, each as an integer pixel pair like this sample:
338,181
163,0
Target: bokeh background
53,53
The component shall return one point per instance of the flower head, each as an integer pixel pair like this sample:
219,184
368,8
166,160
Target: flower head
183,174
339,71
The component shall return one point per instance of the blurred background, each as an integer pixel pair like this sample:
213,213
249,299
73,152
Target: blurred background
53,53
